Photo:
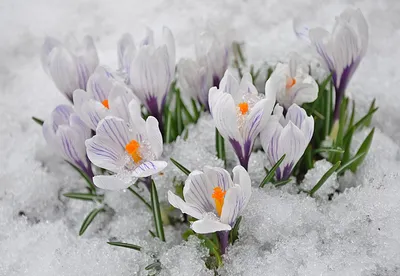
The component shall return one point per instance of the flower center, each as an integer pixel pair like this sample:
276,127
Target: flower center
133,149
218,197
290,82
105,103
243,107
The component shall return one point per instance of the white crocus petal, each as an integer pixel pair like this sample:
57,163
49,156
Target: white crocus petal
307,127
135,117
292,143
90,111
258,118
104,153
49,44
126,51
100,83
111,182
209,225
154,136
148,39
233,204
230,84
218,177
114,128
186,208
149,168
268,133
296,115
305,92
242,178
63,71
198,190
119,98
170,43
223,111
89,55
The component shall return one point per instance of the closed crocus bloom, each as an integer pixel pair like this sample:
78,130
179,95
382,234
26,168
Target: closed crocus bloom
213,52
288,135
213,198
126,53
69,64
66,134
105,96
297,86
342,50
239,113
151,73
194,80
130,150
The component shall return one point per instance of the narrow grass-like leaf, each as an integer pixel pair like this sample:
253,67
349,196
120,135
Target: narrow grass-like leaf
126,245
234,234
271,172
168,128
178,113
367,122
88,180
139,197
82,196
187,234
346,145
155,204
37,120
152,234
88,220
353,112
156,265
361,122
349,163
336,150
186,112
282,183
324,178
180,166
214,250
220,146
328,111
196,110
364,148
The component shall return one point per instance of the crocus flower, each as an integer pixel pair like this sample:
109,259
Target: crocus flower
130,150
288,135
70,64
341,50
214,199
213,52
65,133
297,86
239,113
194,80
104,96
151,73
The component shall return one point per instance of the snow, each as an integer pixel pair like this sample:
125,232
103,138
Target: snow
282,232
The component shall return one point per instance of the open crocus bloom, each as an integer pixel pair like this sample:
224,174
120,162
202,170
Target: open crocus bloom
341,50
213,198
297,86
239,113
213,52
130,150
70,64
66,134
194,80
288,135
151,72
105,96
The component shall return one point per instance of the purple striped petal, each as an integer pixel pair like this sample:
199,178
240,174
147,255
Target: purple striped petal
149,168
115,129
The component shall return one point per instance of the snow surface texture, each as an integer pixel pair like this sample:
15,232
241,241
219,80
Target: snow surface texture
282,233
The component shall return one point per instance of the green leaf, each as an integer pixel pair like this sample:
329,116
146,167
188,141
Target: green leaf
220,146
82,196
178,113
328,111
187,234
324,178
336,150
234,234
349,163
213,248
367,122
364,148
196,111
360,123
168,129
152,234
88,220
186,112
86,177
353,112
282,183
139,197
156,265
179,166
271,172
155,204
126,245
37,120
346,145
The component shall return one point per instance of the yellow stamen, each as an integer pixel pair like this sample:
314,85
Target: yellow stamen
105,103
133,149
218,196
290,82
244,107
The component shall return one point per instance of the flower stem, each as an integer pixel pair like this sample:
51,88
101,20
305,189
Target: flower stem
223,238
155,204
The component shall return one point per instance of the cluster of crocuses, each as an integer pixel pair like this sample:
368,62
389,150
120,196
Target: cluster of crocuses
105,127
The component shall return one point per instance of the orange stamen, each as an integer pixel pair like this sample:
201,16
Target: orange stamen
218,197
133,149
105,103
290,82
244,107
